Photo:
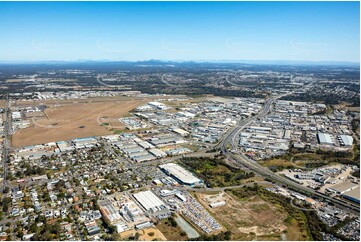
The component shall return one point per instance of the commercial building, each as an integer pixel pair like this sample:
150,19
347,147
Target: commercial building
180,197
152,204
343,187
287,134
121,227
306,176
138,154
157,153
92,228
166,193
181,132
178,151
324,139
143,225
109,211
84,142
158,105
180,174
353,195
186,114
149,200
260,129
217,204
143,158
64,146
346,140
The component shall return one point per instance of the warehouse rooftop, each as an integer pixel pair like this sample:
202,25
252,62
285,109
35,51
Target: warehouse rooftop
180,173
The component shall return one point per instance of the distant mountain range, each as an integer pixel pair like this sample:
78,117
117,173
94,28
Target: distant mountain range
165,62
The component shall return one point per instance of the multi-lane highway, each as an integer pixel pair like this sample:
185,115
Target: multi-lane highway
229,149
235,131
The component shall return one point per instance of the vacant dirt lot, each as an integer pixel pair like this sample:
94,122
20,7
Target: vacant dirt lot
2,103
150,234
249,219
68,120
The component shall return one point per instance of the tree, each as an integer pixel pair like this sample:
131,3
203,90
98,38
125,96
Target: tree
60,184
20,234
33,228
6,202
115,237
46,197
19,174
6,189
48,232
220,237
172,221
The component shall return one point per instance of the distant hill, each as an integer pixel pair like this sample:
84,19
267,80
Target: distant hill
154,62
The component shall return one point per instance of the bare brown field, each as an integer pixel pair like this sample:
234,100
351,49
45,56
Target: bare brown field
354,109
249,219
65,120
147,234
150,234
2,103
90,99
80,100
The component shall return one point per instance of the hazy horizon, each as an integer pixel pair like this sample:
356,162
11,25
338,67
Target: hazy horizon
256,62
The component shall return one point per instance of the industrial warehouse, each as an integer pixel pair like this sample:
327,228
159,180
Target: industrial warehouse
152,204
180,174
353,195
148,200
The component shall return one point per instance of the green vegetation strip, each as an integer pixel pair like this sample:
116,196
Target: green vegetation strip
215,172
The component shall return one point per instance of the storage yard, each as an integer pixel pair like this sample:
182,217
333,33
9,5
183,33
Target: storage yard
195,213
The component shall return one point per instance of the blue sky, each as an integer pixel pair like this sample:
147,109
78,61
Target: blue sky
310,31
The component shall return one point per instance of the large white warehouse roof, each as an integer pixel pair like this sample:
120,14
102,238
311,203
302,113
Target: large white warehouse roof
347,140
148,200
324,138
156,104
180,173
